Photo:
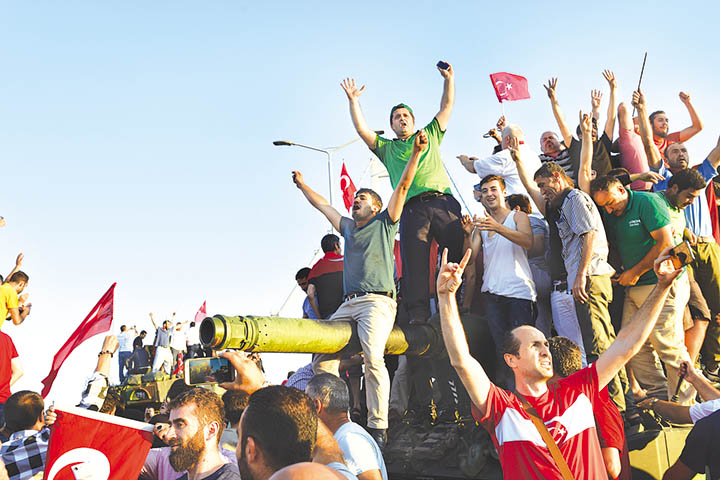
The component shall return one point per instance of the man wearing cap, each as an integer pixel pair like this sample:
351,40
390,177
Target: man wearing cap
430,211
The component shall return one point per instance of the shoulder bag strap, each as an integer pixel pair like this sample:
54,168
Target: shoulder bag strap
547,438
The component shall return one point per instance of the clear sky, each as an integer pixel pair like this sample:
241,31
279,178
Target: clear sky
137,136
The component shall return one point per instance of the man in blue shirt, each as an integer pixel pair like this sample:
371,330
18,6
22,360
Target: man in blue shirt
368,284
706,267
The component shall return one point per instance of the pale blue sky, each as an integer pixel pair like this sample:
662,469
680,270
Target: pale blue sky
136,136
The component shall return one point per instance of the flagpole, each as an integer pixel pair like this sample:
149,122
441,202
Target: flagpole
642,70
457,190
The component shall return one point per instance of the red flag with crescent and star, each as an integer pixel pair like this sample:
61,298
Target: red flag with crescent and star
509,87
348,188
93,445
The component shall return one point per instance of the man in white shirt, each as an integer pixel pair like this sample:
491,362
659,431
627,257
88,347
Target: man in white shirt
193,341
332,401
502,164
178,340
125,340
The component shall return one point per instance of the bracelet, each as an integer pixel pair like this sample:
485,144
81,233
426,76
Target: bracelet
105,352
653,401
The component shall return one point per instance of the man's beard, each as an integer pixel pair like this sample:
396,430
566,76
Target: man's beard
244,468
186,456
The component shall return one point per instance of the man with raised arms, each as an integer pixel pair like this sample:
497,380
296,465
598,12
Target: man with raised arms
368,284
564,407
431,212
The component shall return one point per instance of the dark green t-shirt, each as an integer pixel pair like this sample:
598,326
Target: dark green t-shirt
430,176
630,232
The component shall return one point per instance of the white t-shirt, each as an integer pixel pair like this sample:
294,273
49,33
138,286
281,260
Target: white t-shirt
125,340
177,340
360,450
193,335
702,410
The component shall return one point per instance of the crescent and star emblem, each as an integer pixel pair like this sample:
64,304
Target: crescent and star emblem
87,463
503,88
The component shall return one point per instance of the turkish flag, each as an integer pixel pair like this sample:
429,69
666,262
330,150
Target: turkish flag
98,320
201,313
509,87
180,365
348,188
87,445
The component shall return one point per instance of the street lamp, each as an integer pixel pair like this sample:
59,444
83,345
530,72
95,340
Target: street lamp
327,151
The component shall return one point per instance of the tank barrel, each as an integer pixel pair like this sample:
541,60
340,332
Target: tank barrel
303,335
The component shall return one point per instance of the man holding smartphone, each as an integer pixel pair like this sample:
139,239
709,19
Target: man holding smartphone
368,284
431,212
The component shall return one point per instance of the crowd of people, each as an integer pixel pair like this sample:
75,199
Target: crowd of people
594,270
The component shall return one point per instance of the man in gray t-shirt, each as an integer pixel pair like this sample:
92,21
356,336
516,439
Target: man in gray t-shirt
368,283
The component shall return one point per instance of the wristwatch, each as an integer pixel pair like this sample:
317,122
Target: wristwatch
653,401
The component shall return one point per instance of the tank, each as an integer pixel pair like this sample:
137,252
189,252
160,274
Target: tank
460,450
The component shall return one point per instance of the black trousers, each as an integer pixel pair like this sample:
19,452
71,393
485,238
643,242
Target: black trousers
425,217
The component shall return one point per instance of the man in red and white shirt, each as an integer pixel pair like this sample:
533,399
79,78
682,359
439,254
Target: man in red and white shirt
565,407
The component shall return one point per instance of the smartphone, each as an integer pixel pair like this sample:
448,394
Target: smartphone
199,371
681,255
443,65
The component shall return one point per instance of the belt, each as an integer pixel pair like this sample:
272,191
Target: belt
560,286
427,196
350,296
709,239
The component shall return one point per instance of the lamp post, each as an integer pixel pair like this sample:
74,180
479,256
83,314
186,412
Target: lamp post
327,151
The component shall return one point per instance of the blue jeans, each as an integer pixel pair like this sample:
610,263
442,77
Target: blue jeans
504,314
123,358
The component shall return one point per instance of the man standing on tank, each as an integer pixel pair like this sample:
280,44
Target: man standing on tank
431,212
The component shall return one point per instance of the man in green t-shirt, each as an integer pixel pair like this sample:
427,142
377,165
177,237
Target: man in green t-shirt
638,225
430,211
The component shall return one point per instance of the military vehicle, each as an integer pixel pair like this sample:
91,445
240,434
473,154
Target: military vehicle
461,450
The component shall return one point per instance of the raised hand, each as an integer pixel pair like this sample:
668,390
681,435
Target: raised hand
248,376
19,260
550,88
501,123
685,97
445,73
467,224
514,147
298,179
450,274
638,100
421,142
610,77
651,176
586,123
595,98
664,268
352,92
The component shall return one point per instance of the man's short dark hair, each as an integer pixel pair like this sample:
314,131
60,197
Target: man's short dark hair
302,273
143,332
376,200
177,388
329,242
491,178
687,178
510,343
617,172
655,114
18,277
519,200
603,184
548,169
208,406
566,356
122,328
283,423
22,410
331,390
235,403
